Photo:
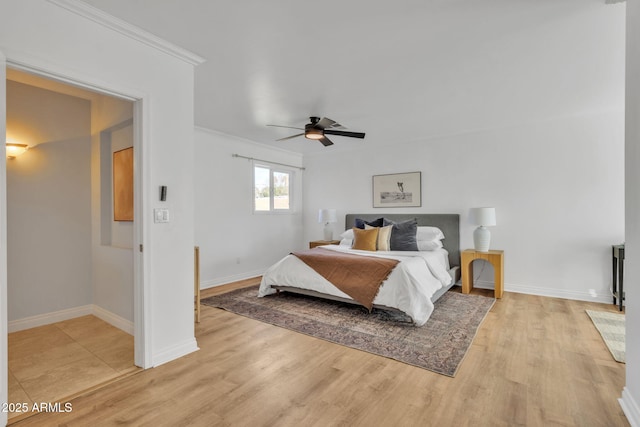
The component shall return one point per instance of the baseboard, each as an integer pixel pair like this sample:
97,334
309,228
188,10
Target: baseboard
48,318
71,313
206,284
175,352
630,408
548,292
113,319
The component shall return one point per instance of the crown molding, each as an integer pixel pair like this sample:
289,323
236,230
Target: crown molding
96,15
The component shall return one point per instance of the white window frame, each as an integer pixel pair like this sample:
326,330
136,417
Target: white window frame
273,169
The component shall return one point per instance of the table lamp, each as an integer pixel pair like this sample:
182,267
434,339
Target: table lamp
482,217
328,216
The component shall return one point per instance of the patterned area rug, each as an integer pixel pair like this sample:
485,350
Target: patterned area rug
612,329
439,346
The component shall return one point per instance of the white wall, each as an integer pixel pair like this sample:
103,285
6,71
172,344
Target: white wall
631,395
48,198
112,241
234,242
557,188
36,115
44,190
47,37
49,223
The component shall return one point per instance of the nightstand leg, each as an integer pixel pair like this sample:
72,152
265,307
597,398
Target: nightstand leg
467,276
498,268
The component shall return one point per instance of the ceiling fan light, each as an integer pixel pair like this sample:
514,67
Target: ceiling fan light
314,133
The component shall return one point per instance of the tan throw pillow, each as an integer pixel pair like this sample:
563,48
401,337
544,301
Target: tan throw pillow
384,236
365,240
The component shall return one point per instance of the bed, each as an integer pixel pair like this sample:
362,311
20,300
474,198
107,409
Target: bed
412,286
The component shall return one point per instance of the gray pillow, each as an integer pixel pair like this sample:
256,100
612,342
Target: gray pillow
360,223
403,235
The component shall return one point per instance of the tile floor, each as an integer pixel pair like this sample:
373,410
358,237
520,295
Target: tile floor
50,363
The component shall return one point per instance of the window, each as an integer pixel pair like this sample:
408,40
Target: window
272,189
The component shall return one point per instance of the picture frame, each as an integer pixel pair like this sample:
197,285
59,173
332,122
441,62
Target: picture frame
123,185
397,190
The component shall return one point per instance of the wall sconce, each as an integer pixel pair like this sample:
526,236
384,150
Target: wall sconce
14,150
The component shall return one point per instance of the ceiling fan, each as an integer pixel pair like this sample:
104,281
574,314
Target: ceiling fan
319,128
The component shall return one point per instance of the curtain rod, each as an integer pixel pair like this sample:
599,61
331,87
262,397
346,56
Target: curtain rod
268,161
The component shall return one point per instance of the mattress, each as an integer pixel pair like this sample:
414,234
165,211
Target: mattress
418,279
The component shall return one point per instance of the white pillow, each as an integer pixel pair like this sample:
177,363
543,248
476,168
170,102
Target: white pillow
346,238
426,245
384,236
347,234
346,242
429,234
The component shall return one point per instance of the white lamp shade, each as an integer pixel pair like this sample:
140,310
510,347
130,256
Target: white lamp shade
327,215
482,216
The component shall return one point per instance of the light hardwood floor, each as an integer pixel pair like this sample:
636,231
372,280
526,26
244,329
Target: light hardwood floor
52,363
536,361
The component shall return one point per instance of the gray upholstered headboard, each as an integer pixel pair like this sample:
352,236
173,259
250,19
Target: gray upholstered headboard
448,223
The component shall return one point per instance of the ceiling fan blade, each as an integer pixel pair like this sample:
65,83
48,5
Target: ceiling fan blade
288,127
290,137
325,123
344,133
325,141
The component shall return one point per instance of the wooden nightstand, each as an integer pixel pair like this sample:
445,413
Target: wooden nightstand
323,242
496,258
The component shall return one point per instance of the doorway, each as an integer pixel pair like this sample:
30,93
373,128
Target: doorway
58,229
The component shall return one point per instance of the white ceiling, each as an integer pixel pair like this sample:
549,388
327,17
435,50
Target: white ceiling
404,71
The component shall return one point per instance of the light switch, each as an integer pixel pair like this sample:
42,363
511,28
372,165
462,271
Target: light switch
160,215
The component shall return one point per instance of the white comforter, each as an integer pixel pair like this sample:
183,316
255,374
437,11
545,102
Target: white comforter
408,288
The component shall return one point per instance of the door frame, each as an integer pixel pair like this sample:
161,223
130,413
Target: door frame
4,364
141,285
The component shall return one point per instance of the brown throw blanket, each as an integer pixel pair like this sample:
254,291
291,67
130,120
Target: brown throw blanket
358,276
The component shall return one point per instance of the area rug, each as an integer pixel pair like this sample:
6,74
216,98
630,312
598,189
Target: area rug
439,346
612,329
